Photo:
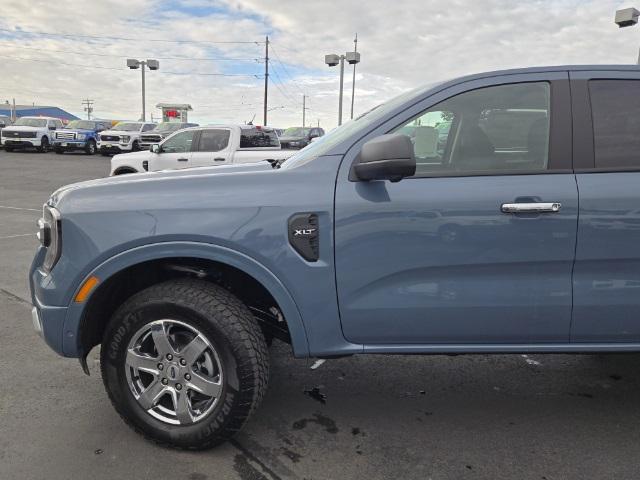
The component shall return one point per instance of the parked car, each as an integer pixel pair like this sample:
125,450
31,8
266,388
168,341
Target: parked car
5,121
79,135
184,279
160,132
30,132
299,137
204,146
123,137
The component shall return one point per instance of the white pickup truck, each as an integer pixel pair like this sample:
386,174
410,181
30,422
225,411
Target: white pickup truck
205,146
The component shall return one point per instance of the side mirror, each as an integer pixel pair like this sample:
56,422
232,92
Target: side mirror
387,157
155,148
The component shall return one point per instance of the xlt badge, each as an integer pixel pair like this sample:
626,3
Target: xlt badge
303,235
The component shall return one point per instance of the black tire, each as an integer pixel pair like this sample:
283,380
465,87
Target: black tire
8,149
90,149
226,323
124,171
44,145
59,151
135,146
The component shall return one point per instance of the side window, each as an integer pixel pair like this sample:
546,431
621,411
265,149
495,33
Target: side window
213,140
179,143
615,106
497,129
257,137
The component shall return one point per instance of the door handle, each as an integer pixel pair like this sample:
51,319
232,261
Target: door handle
183,159
219,159
536,207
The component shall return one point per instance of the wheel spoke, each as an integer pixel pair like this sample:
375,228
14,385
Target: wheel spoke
142,362
204,385
150,395
182,406
194,349
161,339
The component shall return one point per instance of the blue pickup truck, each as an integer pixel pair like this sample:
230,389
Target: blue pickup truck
79,135
492,213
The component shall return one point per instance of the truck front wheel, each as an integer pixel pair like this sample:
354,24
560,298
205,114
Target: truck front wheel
90,149
184,363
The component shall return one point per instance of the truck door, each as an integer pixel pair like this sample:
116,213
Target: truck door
175,152
478,246
607,146
213,148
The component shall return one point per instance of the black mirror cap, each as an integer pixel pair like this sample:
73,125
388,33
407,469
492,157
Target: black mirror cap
387,157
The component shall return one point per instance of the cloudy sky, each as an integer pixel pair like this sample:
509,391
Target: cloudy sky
211,51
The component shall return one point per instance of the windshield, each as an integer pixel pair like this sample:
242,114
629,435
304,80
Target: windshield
356,127
82,125
296,132
127,127
31,122
168,127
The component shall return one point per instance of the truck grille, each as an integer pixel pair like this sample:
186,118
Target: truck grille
65,135
150,138
11,134
109,138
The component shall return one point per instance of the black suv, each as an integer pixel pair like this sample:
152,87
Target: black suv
299,137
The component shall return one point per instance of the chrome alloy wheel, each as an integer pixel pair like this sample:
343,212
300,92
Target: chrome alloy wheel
173,372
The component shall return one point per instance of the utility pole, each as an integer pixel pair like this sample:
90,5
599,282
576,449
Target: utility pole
318,123
14,115
266,77
353,83
304,110
88,108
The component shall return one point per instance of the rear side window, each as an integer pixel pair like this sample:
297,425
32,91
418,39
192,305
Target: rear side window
213,140
615,107
257,137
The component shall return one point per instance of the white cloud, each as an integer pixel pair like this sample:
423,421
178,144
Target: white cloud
403,44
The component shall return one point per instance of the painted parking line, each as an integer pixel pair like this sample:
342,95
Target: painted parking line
19,235
20,208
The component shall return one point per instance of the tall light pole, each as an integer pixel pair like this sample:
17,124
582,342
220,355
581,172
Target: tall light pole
332,60
353,82
134,64
627,17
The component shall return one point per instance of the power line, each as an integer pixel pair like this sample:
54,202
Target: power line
279,86
128,39
286,70
95,54
55,62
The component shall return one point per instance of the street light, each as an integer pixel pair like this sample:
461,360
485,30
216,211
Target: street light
134,64
627,17
332,60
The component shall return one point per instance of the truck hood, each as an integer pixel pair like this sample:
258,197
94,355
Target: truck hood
118,132
292,139
22,128
77,130
134,179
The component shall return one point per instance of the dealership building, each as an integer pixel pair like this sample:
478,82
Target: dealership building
36,111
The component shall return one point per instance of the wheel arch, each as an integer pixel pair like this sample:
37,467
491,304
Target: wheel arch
117,276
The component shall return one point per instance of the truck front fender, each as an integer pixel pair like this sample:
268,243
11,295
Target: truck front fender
196,250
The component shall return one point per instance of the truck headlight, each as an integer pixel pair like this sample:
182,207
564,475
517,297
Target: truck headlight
125,138
50,236
81,136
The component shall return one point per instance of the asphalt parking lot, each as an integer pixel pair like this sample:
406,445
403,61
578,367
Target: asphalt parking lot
422,417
